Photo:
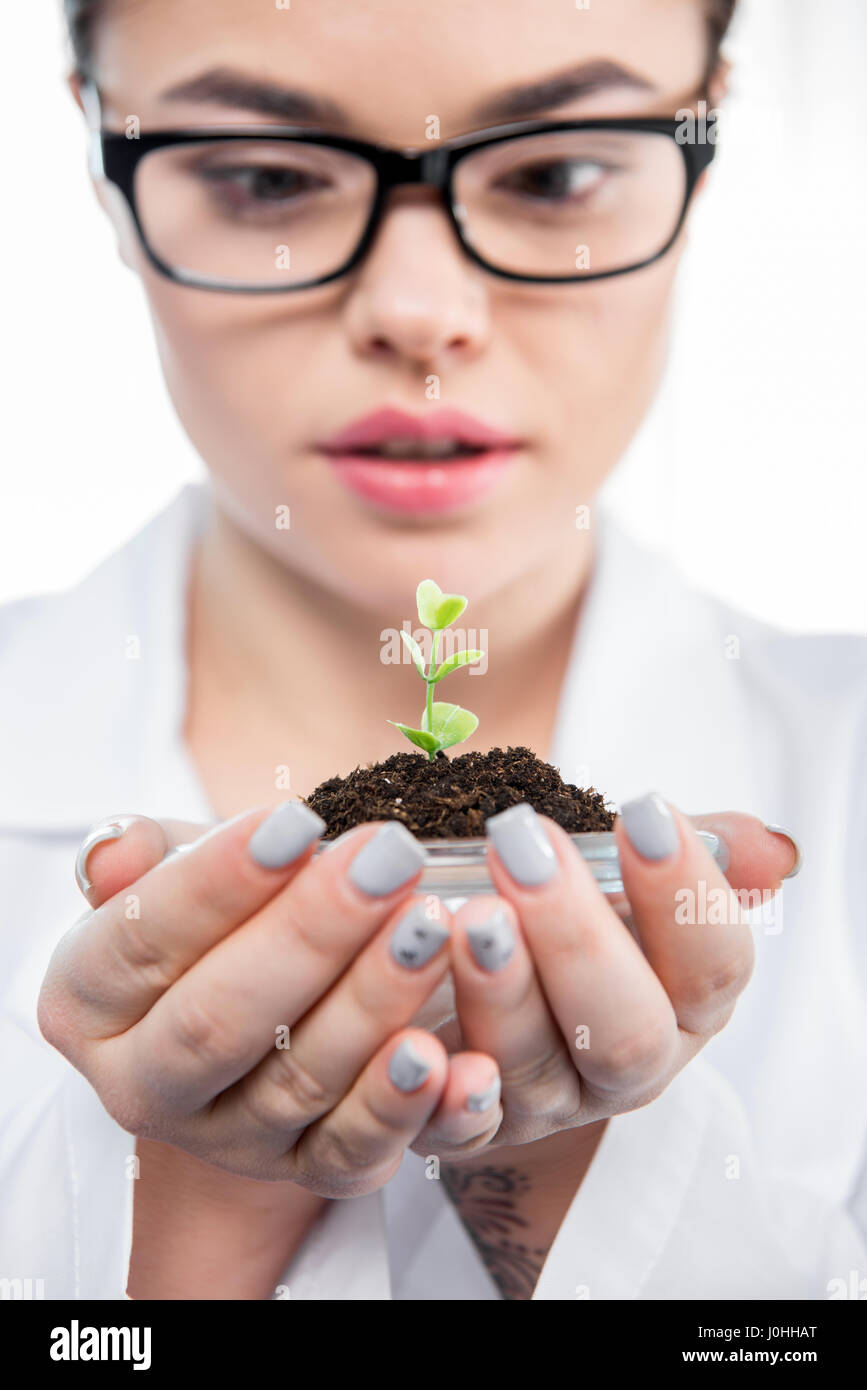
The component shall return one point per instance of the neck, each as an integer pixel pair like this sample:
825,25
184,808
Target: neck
293,650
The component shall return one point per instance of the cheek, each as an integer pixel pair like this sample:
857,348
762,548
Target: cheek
233,366
597,353
604,337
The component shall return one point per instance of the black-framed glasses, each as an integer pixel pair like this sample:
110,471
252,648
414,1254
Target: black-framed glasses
265,209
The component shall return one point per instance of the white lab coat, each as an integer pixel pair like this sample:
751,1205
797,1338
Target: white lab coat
745,1179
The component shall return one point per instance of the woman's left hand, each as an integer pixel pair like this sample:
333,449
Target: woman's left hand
565,1019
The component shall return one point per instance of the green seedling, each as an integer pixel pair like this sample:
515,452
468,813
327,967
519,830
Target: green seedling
442,725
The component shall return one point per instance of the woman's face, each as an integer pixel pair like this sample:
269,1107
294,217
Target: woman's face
260,381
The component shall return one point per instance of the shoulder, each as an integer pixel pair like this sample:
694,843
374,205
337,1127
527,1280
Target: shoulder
820,665
118,588
92,668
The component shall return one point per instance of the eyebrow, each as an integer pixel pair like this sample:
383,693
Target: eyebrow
517,103
227,87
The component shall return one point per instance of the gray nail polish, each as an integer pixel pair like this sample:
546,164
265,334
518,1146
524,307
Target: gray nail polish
406,1069
483,1100
417,938
97,836
520,840
799,853
650,826
492,942
285,834
387,860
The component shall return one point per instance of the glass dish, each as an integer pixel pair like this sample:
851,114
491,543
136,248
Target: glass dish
458,868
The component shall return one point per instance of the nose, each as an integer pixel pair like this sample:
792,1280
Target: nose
416,296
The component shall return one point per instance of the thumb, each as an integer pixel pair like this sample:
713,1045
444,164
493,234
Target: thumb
759,856
117,851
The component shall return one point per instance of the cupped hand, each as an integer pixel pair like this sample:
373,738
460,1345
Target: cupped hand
248,1003
582,1017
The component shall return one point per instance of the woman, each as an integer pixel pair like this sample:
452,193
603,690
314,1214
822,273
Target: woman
432,381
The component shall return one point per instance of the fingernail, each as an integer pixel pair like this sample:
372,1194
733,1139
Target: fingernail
522,843
417,938
650,826
285,834
799,853
492,942
483,1100
407,1070
97,836
387,860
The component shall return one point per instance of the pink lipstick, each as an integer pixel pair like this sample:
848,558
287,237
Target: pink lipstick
413,464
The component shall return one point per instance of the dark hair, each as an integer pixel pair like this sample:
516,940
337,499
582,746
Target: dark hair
82,15
719,15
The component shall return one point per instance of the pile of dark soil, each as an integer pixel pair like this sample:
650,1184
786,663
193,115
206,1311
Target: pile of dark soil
451,797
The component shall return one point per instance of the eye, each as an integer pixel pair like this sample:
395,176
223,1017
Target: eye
251,185
555,180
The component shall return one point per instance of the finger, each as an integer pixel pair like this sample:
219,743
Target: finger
360,1144
687,915
504,1014
469,1113
612,1011
315,1063
117,851
218,1020
759,856
112,967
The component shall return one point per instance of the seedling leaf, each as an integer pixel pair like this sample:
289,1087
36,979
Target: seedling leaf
451,724
415,652
437,610
453,662
451,606
427,598
420,737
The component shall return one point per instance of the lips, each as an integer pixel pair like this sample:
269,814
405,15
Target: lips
409,463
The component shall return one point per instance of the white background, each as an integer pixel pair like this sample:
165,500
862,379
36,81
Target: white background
752,470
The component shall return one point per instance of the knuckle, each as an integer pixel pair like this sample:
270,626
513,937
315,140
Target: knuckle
286,1095
341,1165
139,957
318,926
125,1099
344,1185
130,1113
364,1145
204,890
716,987
636,1057
203,1030
58,1017
453,1151
546,1085
719,1021
345,1152
570,938
51,1018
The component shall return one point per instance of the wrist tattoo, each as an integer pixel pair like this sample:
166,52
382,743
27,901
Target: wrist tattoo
487,1200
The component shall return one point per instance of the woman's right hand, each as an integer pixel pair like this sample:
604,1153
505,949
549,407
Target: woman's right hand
178,994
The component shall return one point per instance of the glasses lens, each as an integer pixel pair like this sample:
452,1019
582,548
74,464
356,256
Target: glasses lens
253,214
571,203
